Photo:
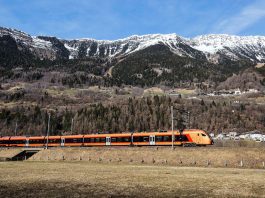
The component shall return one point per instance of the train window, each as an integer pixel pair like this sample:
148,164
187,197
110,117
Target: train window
141,139
98,140
36,141
119,139
159,138
77,140
136,139
146,139
181,138
17,141
4,141
55,141
203,135
126,139
92,140
167,138
113,139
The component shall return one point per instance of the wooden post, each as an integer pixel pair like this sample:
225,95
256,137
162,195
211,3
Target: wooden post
208,162
241,163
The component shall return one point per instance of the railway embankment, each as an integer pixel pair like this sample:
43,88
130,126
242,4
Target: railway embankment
7,154
239,157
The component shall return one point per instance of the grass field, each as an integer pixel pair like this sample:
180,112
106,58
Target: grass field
181,156
83,179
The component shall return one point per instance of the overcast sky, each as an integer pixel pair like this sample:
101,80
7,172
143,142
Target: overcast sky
114,19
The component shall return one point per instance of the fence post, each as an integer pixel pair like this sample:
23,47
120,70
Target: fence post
241,163
194,161
208,162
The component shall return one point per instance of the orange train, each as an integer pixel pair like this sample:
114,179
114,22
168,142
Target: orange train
190,137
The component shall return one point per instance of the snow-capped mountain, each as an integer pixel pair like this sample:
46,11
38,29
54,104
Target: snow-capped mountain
210,47
123,47
234,47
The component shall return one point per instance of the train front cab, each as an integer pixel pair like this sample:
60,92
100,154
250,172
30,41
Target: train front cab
199,137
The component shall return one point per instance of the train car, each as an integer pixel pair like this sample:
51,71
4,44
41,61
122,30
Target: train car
18,141
160,138
53,141
39,141
72,140
95,140
4,141
123,139
144,139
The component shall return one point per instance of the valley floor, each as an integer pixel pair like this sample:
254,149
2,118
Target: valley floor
83,179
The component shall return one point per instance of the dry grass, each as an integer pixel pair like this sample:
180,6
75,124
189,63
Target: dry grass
82,179
185,91
9,153
153,91
201,156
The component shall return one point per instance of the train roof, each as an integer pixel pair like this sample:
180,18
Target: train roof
99,135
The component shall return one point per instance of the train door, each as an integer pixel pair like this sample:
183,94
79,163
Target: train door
108,141
152,140
62,142
27,142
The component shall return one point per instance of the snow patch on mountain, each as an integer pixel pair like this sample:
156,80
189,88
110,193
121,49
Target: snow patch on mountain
39,43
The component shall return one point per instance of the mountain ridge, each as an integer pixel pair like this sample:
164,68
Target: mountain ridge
147,60
209,46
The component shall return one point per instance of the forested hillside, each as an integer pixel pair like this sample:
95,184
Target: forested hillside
142,114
